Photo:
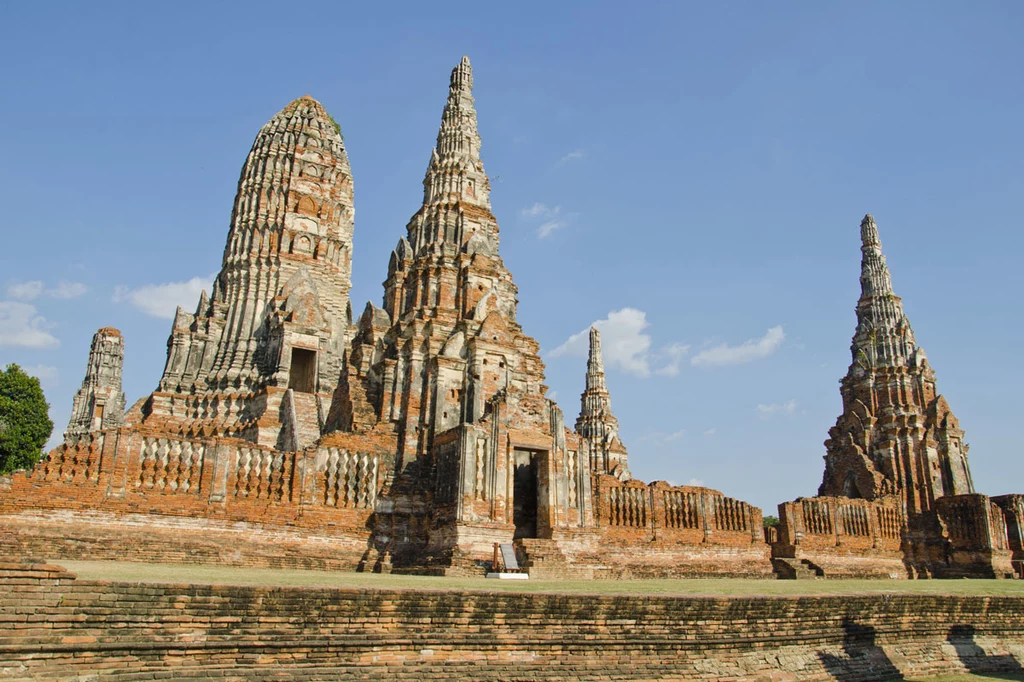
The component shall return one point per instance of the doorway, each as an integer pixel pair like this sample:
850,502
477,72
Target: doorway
524,493
302,375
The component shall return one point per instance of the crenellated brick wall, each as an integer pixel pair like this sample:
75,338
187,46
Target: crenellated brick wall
57,627
843,537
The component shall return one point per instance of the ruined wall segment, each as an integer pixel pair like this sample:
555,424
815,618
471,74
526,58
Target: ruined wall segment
278,317
99,403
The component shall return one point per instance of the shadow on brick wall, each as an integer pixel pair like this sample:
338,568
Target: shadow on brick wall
864,660
977,661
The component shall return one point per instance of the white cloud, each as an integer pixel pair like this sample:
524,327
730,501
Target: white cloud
675,435
575,155
662,438
552,395
67,290
748,351
48,375
162,300
623,341
786,408
538,210
626,345
548,228
33,289
21,326
710,432
675,353
552,217
698,482
25,291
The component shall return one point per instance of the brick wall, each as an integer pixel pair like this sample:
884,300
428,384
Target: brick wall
846,538
56,627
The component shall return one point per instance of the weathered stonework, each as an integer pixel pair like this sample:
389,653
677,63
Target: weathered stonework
412,440
1013,512
278,318
898,446
283,434
99,403
596,422
60,627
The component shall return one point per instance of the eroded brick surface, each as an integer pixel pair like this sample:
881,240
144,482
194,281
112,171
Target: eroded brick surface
56,627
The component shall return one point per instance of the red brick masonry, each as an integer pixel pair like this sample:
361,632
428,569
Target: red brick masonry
53,626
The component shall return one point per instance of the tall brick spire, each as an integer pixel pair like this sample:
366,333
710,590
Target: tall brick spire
896,434
283,285
596,421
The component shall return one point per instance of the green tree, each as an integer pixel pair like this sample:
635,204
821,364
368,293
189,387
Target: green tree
25,424
770,521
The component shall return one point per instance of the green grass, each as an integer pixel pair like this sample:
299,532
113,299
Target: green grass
965,677
224,575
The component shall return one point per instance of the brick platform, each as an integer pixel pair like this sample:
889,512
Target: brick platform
57,627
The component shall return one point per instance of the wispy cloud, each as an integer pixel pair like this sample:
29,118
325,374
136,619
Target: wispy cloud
663,438
575,155
551,218
33,289
748,351
675,352
626,345
786,408
552,395
698,482
710,432
48,375
538,209
21,326
162,300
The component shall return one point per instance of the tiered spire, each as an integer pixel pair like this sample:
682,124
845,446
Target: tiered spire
884,337
596,421
99,403
455,172
896,434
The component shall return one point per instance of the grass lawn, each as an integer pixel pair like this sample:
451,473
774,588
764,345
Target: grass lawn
121,571
966,678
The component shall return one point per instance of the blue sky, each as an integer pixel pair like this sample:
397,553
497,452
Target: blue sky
693,174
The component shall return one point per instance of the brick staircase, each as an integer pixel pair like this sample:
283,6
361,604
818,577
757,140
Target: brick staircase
307,418
796,569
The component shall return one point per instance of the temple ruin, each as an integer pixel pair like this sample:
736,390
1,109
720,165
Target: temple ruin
286,432
897,494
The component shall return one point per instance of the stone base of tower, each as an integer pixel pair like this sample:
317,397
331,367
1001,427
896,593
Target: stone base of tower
963,537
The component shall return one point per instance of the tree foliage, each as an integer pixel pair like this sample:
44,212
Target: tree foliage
771,521
25,424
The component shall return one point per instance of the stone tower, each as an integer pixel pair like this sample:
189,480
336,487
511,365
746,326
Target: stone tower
99,403
445,367
596,422
278,318
896,434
